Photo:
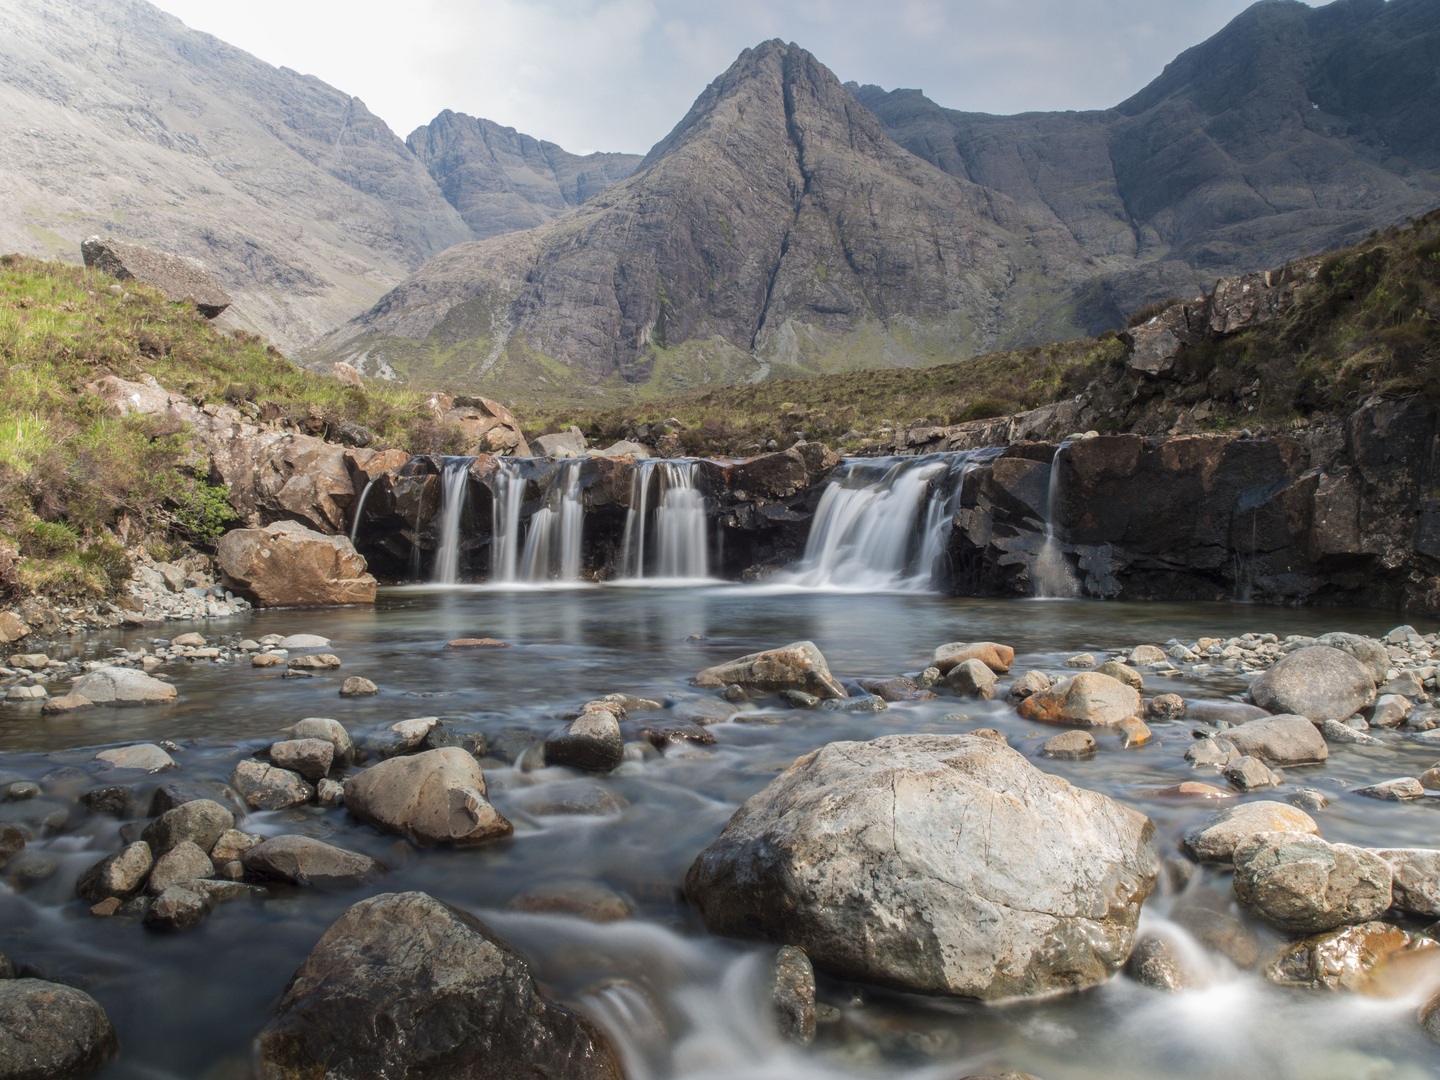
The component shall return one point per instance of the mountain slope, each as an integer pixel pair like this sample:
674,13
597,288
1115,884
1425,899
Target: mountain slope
777,228
116,118
502,180
1293,129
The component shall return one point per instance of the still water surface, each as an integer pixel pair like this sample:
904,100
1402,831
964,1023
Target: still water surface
680,1003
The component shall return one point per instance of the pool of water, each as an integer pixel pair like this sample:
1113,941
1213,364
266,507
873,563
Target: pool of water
682,1004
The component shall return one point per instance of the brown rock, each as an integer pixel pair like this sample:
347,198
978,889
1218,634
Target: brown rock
437,797
1339,960
181,279
355,686
582,899
288,565
998,658
1087,700
477,643
799,666
1134,732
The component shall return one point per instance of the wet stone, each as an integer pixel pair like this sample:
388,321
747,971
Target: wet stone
311,758
200,822
579,899
1339,733
871,703
665,733
183,863
120,875
1251,774
355,686
1401,789
972,678
793,994
51,1032
1157,963
1069,745
1166,706
265,787
178,908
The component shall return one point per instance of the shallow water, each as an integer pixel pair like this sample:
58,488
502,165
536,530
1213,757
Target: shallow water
690,1005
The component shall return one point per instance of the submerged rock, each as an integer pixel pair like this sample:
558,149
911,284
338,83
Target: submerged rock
859,854
1156,962
793,992
1087,700
1318,682
580,899
1305,884
404,985
51,1032
1338,960
437,797
798,666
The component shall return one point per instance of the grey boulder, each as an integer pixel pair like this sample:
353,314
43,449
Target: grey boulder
122,686
181,864
1304,884
311,758
201,822
1215,840
437,797
1319,682
972,678
592,741
121,874
267,788
873,859
1370,653
1279,740
332,731
1414,879
310,863
798,666
51,1032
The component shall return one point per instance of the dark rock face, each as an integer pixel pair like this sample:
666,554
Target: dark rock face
404,985
1340,513
182,280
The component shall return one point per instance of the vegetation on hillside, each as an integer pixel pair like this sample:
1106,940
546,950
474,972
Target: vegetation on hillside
79,482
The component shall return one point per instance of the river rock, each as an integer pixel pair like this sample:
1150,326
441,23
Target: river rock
1371,653
592,742
1133,732
1338,960
287,565
578,899
310,863
404,985
1087,700
1165,706
329,793
51,1032
1340,734
313,662
1069,745
311,758
267,659
1156,962
267,788
1304,884
333,732
971,678
860,855
401,737
1401,789
66,703
183,863
1127,675
1212,751
1279,740
122,686
867,703
121,874
1032,682
142,757
355,686
1216,839
798,666
1318,682
1405,685
1250,774
898,689
200,822
303,641
1148,656
179,907
1389,710
1414,879
477,643
1211,918
663,733
437,797
575,797
998,658
792,989
232,844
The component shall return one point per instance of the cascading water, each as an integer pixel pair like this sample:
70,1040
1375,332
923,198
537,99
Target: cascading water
883,523
671,542
1051,573
509,487
552,541
452,506
359,510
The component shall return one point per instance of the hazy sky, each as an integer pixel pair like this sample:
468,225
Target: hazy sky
618,74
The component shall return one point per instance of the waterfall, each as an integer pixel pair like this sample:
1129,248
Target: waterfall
1051,573
677,526
360,509
452,506
883,523
509,487
552,541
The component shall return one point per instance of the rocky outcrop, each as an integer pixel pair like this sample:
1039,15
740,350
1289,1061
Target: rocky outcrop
865,855
288,565
404,985
182,280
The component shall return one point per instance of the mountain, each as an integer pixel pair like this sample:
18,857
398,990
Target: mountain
1294,129
776,228
501,180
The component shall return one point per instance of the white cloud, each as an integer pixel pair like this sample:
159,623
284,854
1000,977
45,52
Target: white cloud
618,74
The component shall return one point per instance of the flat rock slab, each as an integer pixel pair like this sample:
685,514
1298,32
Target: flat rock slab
123,686
310,863
798,666
144,757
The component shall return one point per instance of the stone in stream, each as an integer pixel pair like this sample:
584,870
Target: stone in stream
1370,653
1251,774
971,678
857,854
1414,879
1304,884
309,863
1191,789
437,797
1128,675
1401,789
663,733
1165,706
1280,740
332,731
1389,710
200,822
355,686
265,787
1212,751
121,874
798,699
143,757
232,844
303,641
1229,712
179,907
183,863
798,666
898,689
1209,915
1068,745
175,793
1308,799
117,800
122,686
329,793
314,662
1337,960
266,659
998,658
1318,682
866,704
311,758
287,565
1156,962
1147,655
405,985
575,797
1032,682
631,703
1133,732
66,703
400,737
1215,840
1088,700
477,643
579,899
1083,660
51,1032
1339,733
792,990
591,742
1407,684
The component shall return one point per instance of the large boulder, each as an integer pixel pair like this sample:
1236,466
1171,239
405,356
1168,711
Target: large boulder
405,985
934,864
181,279
288,565
1368,651
1215,839
798,666
1320,682
123,686
51,1032
1279,740
1087,700
1304,884
437,797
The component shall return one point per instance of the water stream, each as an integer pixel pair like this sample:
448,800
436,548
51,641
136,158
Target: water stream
1053,577
553,537
454,482
360,510
669,542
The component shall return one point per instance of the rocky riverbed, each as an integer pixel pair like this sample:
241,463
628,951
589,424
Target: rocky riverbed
567,793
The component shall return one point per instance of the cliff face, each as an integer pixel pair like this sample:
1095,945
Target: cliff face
1293,130
776,228
502,180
